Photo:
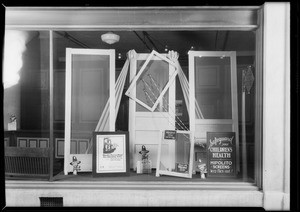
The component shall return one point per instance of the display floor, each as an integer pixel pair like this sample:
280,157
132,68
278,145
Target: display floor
132,177
83,176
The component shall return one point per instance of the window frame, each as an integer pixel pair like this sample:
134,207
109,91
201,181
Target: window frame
181,18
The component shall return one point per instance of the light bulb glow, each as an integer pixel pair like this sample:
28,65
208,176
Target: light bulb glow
110,38
166,48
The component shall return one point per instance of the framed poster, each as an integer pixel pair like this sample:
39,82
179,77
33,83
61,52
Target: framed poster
110,153
221,154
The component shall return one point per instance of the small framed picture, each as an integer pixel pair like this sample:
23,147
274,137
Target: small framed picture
110,153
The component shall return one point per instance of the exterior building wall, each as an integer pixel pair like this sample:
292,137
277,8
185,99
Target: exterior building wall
275,153
99,193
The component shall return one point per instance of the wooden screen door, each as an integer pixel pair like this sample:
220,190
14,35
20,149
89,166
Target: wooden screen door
145,126
213,84
90,84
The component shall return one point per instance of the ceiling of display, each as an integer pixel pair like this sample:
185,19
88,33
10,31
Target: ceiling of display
180,41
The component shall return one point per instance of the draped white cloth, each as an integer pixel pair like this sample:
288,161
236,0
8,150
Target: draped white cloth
119,86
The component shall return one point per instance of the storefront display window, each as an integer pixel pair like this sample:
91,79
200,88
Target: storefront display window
215,92
194,125
154,96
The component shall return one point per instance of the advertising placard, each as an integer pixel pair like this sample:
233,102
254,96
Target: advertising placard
170,134
221,153
111,153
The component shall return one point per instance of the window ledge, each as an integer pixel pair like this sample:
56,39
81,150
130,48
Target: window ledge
125,185
135,193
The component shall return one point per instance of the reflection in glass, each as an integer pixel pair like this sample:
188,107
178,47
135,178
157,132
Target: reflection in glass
60,43
26,80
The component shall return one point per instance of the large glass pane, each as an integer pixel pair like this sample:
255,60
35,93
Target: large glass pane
26,81
213,87
61,41
26,99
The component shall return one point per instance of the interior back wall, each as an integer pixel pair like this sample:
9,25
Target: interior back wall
34,86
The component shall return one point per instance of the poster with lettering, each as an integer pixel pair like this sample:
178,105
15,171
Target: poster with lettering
221,154
111,152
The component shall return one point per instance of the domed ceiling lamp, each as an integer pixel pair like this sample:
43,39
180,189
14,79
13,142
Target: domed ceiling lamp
110,38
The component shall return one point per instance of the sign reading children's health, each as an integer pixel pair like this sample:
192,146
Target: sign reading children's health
221,154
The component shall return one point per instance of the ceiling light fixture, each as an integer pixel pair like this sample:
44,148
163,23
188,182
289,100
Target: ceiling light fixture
110,38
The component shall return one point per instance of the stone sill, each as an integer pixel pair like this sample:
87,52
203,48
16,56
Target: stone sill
162,185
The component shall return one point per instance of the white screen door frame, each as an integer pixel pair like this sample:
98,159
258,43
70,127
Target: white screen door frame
207,125
145,127
85,158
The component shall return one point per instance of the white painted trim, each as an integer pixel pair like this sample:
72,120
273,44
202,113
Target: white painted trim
91,51
116,193
132,112
157,174
22,184
152,56
154,115
276,110
192,91
175,174
130,27
287,113
90,18
112,92
211,53
68,95
137,8
214,121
